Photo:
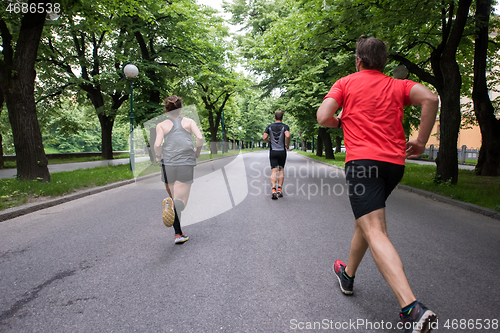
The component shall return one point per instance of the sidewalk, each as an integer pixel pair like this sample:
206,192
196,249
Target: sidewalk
9,173
460,166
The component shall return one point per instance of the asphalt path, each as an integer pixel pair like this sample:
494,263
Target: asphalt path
106,263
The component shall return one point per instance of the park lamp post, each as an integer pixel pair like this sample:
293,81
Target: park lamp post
131,72
240,136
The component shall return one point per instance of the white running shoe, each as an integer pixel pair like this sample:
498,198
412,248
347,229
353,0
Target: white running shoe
179,239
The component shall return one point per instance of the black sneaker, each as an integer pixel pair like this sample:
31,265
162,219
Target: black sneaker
346,285
280,192
418,319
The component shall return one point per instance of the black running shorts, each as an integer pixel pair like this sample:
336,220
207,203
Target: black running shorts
277,158
370,183
183,173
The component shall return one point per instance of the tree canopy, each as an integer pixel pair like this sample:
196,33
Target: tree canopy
291,42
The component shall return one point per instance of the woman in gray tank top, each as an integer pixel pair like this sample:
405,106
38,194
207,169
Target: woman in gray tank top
175,150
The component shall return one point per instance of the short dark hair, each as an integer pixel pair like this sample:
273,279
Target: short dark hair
278,115
372,52
172,103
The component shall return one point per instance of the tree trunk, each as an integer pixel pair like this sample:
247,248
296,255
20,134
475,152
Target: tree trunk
226,143
447,81
324,137
2,163
213,127
450,117
17,79
214,111
95,96
106,135
213,142
338,144
488,163
319,146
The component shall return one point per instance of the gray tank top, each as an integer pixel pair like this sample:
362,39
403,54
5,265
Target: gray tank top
178,146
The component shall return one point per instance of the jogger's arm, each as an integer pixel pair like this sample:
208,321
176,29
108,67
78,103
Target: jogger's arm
325,114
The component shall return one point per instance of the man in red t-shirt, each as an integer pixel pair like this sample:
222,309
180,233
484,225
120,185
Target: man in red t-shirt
372,114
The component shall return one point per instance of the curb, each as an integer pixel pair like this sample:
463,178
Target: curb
13,212
437,197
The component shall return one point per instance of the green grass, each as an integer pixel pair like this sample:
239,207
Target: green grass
51,150
14,192
9,165
478,190
338,161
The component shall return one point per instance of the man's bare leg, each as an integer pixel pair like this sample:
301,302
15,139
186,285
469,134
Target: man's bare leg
372,228
281,176
274,176
358,249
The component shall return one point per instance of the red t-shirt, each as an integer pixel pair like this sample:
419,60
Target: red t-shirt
372,115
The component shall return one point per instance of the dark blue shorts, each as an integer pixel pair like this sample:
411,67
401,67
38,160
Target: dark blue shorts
370,183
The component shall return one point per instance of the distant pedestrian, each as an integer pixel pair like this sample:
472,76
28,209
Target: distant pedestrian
372,114
277,135
174,149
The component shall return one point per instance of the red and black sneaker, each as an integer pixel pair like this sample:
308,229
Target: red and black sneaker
346,283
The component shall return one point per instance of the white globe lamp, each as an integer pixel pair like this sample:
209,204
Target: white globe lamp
131,71
400,72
